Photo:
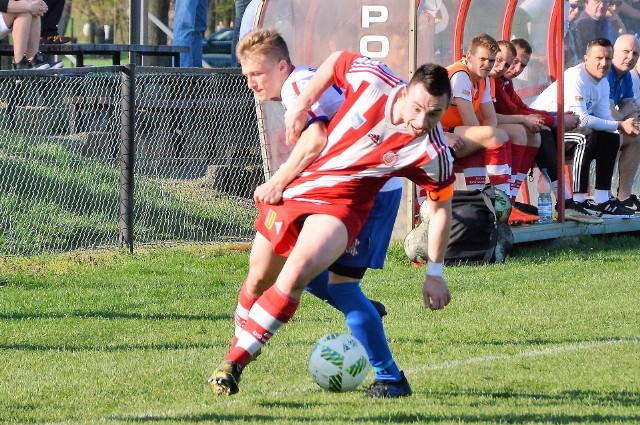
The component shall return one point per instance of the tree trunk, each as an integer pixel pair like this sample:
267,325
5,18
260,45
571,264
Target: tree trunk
64,20
160,8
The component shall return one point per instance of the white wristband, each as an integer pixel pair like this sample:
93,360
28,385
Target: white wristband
434,269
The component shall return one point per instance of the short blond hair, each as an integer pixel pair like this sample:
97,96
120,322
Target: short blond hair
267,42
486,41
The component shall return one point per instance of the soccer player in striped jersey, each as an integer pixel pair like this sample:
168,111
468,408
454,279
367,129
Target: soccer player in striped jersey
265,62
384,128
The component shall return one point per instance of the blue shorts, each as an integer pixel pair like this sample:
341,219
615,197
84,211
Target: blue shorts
369,250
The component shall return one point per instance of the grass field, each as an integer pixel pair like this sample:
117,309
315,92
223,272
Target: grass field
550,337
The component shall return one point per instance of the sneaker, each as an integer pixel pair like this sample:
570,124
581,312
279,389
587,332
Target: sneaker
23,64
380,308
610,209
38,62
575,212
55,39
389,389
519,217
632,203
225,378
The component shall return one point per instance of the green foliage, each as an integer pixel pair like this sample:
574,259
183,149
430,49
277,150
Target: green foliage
549,337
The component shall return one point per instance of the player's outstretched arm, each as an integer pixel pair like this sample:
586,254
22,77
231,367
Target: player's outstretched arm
435,292
295,118
305,151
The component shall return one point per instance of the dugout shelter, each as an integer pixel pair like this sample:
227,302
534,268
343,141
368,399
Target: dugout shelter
406,33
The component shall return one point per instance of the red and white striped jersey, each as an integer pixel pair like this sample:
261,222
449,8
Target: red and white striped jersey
324,108
364,148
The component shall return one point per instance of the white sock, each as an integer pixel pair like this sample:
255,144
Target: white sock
601,196
579,197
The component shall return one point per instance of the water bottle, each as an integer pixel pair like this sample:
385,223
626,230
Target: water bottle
545,205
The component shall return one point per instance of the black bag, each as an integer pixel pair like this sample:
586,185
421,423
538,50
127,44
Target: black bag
476,235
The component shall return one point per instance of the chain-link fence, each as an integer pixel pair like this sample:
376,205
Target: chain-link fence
104,156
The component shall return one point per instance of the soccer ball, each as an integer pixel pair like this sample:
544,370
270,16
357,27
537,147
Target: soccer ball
415,243
502,206
338,362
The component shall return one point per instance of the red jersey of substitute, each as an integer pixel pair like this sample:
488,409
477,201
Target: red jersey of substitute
363,151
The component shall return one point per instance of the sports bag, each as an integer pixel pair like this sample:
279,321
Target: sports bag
479,234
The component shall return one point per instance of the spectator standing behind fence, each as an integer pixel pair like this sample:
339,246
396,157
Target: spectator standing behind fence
240,6
586,92
613,16
189,25
572,56
635,78
23,17
49,24
623,105
592,23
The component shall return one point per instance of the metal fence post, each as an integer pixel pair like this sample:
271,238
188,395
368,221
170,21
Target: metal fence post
127,155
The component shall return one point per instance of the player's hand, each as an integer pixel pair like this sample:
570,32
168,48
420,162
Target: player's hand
533,123
571,121
455,142
39,8
435,293
630,126
267,193
294,123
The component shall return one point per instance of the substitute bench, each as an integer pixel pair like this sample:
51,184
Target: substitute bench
137,51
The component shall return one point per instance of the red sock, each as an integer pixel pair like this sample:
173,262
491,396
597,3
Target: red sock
245,302
517,152
497,160
475,172
272,310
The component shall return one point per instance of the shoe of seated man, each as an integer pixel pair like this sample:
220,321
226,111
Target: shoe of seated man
23,64
225,378
519,217
38,62
612,208
389,389
575,212
632,203
55,39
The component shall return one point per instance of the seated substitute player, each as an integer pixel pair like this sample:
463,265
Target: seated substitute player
623,105
264,57
384,128
508,102
486,149
586,92
523,130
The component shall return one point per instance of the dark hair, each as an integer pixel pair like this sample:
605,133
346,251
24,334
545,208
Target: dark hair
509,45
434,78
602,42
523,44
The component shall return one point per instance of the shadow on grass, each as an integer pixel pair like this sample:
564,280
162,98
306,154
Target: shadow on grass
529,344
115,315
391,418
108,348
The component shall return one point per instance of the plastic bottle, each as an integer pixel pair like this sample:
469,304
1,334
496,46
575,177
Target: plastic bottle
545,204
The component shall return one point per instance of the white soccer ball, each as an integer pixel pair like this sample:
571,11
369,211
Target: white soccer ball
338,362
